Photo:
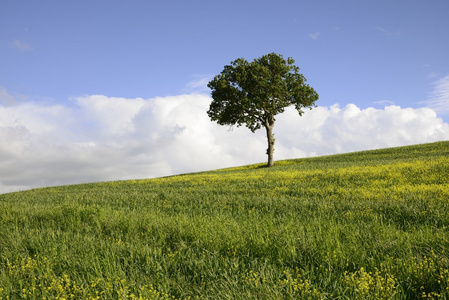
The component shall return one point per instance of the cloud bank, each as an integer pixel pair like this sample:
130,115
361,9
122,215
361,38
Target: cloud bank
99,138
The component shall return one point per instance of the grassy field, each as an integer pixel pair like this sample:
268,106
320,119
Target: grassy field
365,225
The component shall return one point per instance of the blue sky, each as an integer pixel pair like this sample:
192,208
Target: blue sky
357,51
372,59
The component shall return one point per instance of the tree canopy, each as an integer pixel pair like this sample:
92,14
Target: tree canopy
252,94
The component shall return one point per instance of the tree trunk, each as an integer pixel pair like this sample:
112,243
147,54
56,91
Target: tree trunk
269,124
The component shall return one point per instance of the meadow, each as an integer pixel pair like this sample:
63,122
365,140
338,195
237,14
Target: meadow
363,225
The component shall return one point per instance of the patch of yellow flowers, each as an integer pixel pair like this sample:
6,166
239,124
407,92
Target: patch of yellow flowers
377,182
45,284
374,285
297,286
291,284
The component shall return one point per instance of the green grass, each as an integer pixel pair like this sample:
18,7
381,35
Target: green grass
364,225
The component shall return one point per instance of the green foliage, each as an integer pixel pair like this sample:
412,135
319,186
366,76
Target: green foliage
249,93
365,225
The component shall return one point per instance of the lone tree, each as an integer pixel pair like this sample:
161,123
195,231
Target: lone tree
254,93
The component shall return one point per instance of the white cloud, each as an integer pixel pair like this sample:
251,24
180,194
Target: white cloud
387,32
439,98
99,138
21,46
314,36
5,98
328,130
198,85
384,102
432,75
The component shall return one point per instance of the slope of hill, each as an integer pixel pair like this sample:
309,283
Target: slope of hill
371,225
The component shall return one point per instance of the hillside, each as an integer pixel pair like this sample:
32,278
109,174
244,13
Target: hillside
364,225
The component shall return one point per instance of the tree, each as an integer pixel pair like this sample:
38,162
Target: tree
254,93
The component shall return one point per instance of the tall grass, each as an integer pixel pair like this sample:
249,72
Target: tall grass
365,225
